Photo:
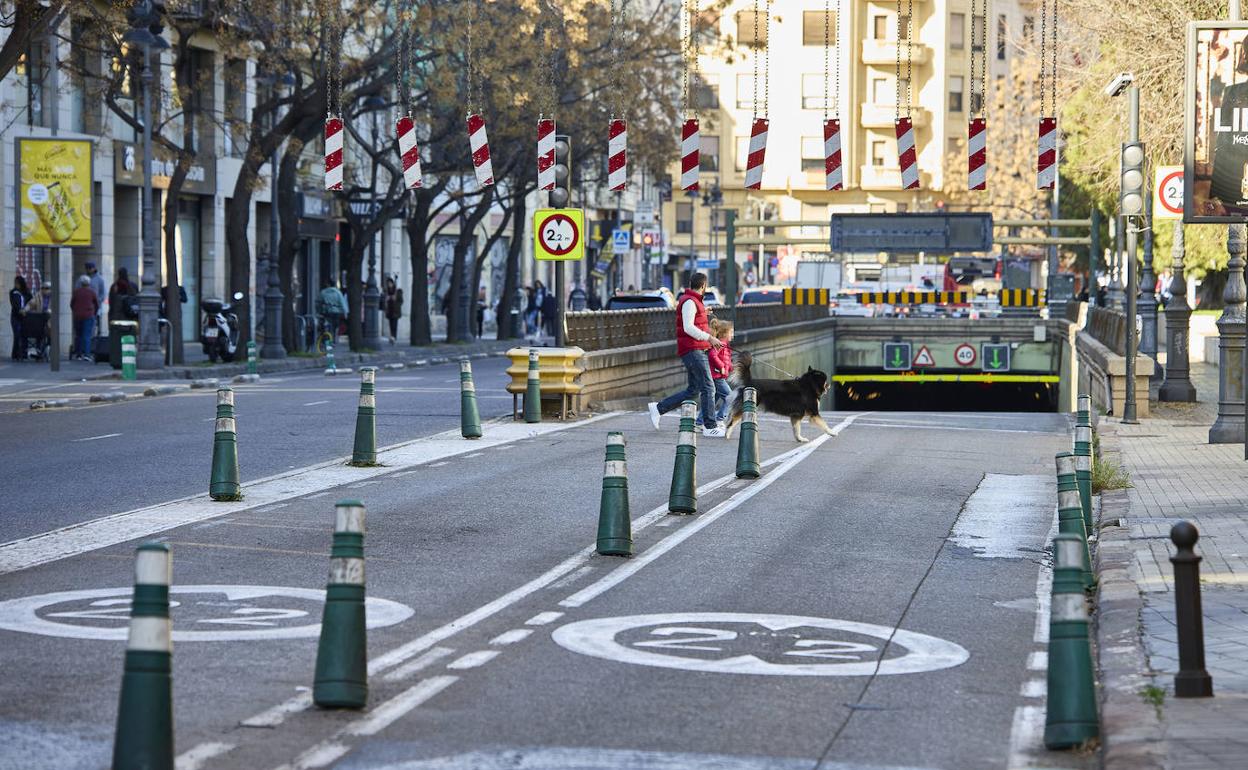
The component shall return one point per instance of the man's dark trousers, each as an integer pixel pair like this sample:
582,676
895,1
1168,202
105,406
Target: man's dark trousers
698,369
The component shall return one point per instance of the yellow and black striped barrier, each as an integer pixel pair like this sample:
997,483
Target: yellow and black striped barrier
1022,297
807,296
914,298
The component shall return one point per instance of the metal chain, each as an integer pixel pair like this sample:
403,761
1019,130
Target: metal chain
1044,63
754,60
827,41
909,53
401,59
767,62
686,23
897,68
614,33
983,57
1053,65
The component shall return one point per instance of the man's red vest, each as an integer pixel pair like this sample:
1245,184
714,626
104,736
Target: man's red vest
685,343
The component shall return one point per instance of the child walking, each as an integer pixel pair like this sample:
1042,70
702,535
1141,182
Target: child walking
721,366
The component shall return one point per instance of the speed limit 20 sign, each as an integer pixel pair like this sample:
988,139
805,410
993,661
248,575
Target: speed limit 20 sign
1168,192
559,234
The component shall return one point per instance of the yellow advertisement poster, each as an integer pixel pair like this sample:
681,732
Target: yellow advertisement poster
54,192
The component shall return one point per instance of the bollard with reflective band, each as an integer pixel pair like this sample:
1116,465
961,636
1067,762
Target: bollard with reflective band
224,484
1193,680
1069,510
129,358
330,366
144,737
683,497
1070,719
469,416
533,390
365,452
342,653
1084,414
615,527
251,357
1083,473
747,442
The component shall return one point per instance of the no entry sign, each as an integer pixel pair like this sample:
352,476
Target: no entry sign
559,234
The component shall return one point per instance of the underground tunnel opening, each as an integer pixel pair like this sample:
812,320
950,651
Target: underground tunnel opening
947,396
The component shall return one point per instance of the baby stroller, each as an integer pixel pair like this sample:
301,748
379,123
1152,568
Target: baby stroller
35,335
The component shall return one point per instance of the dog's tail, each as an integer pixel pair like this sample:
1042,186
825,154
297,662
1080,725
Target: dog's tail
741,377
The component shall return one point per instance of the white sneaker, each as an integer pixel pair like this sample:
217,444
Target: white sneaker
653,408
713,432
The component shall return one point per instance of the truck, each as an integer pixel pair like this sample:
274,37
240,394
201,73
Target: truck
821,274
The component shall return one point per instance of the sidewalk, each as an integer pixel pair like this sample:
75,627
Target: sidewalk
1176,475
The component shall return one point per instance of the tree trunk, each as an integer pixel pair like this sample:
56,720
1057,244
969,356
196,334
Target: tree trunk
509,323
355,293
417,229
288,242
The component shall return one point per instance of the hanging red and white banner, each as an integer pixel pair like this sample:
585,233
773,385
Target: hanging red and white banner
1046,160
690,143
409,152
758,151
906,157
834,179
977,154
546,154
617,155
333,153
480,144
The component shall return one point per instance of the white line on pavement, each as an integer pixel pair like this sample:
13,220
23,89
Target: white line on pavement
315,403
423,662
272,717
197,756
1027,731
512,636
1038,661
918,426
97,438
473,659
543,618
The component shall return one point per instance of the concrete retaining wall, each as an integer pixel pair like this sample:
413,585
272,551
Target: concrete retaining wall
1102,374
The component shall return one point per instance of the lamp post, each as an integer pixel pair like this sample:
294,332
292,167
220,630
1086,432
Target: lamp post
372,292
1177,386
1148,293
142,18
274,346
1131,206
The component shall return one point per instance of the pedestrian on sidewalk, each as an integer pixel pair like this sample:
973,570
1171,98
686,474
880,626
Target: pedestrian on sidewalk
693,340
85,306
19,295
721,366
394,307
333,308
98,286
120,306
481,305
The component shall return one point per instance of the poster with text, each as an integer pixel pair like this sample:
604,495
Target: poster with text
54,192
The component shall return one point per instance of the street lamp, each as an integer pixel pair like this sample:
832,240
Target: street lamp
144,25
274,346
372,292
1130,206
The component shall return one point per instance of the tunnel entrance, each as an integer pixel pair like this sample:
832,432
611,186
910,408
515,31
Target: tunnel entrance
947,396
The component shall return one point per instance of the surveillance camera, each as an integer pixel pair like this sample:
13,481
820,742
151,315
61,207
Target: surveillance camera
1119,84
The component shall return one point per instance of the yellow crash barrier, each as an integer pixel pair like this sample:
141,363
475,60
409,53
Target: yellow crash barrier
558,373
806,296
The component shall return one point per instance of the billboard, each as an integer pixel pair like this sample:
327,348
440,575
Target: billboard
1215,159
54,192
909,233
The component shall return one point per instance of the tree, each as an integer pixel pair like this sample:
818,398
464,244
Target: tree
26,22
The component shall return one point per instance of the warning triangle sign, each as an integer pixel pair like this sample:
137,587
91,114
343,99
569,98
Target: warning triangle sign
923,357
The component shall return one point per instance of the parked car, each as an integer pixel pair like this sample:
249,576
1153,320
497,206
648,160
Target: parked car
711,298
845,303
760,295
640,300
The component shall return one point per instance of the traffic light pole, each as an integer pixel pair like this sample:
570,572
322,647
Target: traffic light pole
1129,408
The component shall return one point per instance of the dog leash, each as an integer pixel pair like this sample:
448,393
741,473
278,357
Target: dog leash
772,366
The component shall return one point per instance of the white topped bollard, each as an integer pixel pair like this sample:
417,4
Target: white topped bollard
144,737
341,679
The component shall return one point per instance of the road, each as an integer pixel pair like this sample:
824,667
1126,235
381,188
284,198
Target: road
870,602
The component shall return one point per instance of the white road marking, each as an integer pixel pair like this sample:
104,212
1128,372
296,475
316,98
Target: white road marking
144,522
272,717
1026,736
512,636
598,758
438,464
669,521
1033,688
198,755
96,438
474,454
1038,661
542,618
473,659
422,662
919,426
1004,518
315,403
569,579
1027,730
630,568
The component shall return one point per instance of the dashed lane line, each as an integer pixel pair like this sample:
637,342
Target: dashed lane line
473,660
95,438
419,664
543,618
196,757
512,636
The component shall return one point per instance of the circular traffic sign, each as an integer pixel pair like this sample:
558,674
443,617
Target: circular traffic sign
965,354
559,234
775,645
1170,192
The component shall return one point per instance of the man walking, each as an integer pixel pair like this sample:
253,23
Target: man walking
693,339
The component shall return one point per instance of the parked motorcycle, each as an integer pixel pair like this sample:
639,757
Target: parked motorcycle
218,329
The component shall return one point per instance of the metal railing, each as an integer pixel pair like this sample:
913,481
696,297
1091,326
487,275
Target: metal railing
607,329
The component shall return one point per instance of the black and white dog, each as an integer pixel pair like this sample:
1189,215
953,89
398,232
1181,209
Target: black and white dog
796,399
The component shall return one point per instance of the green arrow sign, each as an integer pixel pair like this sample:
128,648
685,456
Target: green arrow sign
897,356
996,357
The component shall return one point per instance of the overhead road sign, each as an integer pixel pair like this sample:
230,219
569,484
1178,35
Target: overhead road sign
897,357
910,233
559,234
914,297
806,296
995,356
1022,297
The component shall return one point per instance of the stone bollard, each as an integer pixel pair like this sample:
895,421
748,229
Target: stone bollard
469,415
330,367
224,485
1192,681
747,442
251,357
342,654
129,358
364,454
1071,715
533,390
615,527
1083,474
683,497
144,737
1069,510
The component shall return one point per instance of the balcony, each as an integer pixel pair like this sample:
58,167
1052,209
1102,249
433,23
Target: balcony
885,52
882,115
887,178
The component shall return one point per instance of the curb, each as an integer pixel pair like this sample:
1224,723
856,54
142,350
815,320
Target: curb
246,378
164,390
107,398
1133,737
49,403
210,383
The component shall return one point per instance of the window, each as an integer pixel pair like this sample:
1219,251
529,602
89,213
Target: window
1001,35
705,92
706,26
684,217
708,154
977,95
813,25
878,151
903,28
720,219
977,33
745,91
879,28
1029,28
955,93
1000,92
746,23
812,153
957,31
880,91
742,154
954,145
236,129
813,91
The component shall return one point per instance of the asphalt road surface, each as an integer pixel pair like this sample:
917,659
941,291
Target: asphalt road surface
877,599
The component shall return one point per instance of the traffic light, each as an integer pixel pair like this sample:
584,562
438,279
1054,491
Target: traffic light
1131,195
561,196
647,239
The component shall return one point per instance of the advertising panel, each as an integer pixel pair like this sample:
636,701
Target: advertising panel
1216,123
54,192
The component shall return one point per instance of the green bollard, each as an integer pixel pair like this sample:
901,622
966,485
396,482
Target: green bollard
129,358
1084,414
330,366
1071,717
144,737
684,494
364,455
533,391
615,526
342,653
1083,474
747,442
223,485
1069,512
251,357
469,416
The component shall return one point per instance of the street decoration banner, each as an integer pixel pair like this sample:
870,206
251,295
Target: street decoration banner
54,192
1215,157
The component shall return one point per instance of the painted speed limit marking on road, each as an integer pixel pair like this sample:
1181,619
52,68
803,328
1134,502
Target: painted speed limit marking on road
200,613
775,645
964,354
